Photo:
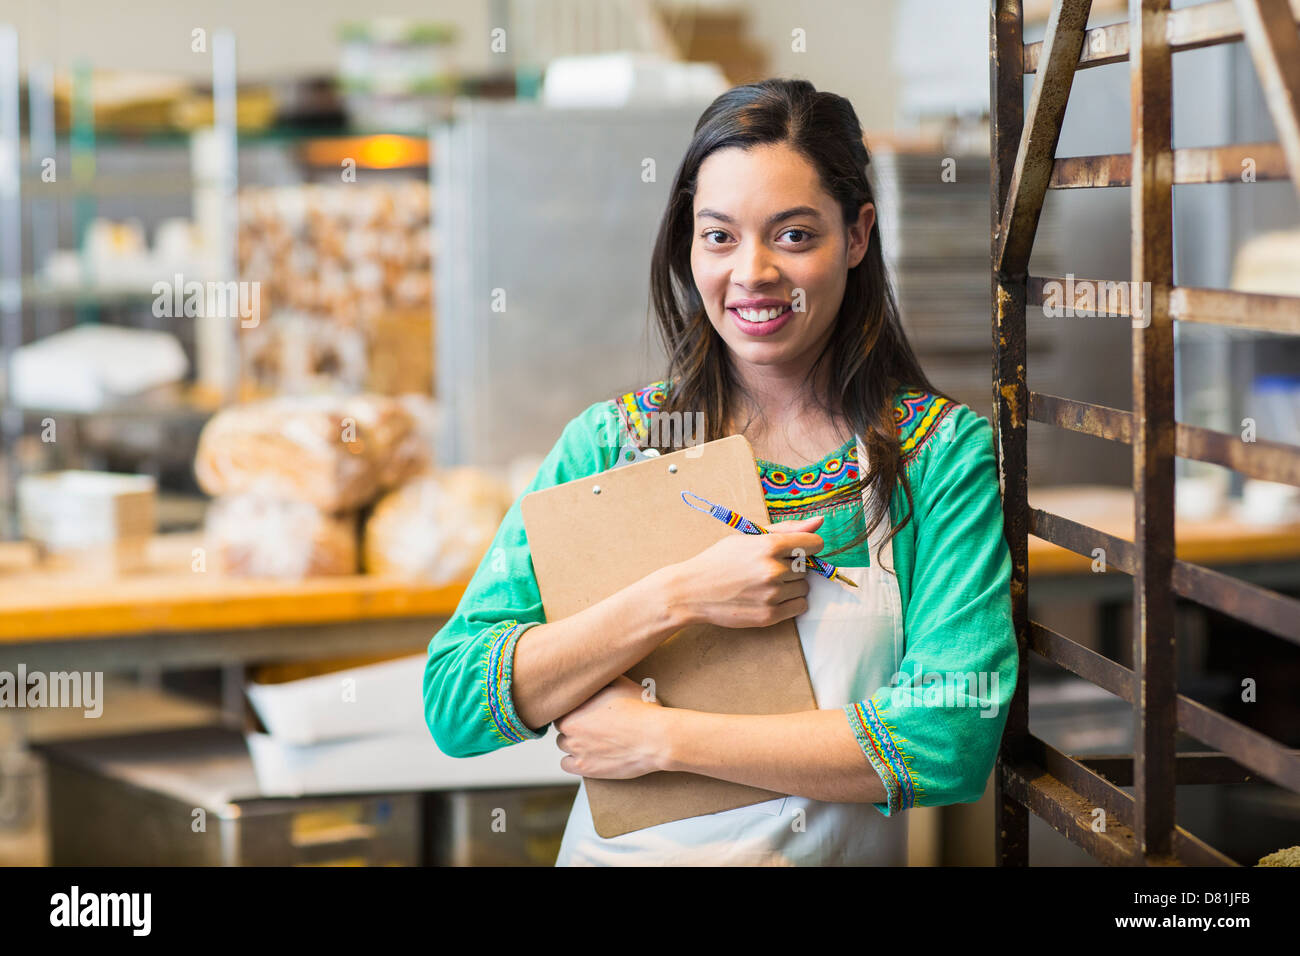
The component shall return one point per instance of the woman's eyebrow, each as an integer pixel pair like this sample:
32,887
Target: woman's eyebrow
775,218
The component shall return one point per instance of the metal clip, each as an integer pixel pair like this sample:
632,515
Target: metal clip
630,454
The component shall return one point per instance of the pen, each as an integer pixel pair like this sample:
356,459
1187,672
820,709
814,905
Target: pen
741,523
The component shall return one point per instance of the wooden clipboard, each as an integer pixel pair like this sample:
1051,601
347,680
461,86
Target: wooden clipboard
587,545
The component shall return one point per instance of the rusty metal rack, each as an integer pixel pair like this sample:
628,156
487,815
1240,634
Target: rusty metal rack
1033,777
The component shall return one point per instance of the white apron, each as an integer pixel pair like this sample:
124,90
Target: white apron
853,643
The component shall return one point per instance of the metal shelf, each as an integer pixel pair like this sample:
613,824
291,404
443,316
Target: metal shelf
116,184
39,293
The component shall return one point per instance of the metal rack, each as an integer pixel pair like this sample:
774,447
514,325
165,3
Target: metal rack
1033,777
17,292
113,174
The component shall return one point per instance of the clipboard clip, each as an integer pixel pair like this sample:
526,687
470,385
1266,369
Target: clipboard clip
630,454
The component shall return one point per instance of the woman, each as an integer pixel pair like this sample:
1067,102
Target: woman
772,299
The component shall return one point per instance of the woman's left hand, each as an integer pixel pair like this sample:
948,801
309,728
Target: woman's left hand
616,735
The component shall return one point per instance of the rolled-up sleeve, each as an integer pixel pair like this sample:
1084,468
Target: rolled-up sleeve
933,737
467,680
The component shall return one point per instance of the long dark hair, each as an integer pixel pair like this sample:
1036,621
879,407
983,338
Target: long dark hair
868,353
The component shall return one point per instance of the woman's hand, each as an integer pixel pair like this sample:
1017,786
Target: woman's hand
751,580
615,735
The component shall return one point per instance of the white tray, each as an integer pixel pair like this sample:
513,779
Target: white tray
395,762
358,702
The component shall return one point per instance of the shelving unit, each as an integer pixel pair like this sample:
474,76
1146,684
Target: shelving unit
35,306
148,177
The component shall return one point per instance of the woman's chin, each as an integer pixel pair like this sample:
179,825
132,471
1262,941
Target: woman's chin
764,354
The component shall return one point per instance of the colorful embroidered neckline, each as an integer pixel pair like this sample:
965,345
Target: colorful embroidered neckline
833,481
918,415
838,466
798,492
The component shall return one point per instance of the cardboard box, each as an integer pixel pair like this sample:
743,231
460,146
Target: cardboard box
88,520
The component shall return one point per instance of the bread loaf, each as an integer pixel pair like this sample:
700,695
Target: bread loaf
256,536
437,527
333,452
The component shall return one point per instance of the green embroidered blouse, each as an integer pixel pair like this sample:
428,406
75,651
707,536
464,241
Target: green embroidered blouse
933,736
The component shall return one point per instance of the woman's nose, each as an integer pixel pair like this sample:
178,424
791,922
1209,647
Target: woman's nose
753,266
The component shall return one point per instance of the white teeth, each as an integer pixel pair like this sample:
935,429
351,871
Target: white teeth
760,315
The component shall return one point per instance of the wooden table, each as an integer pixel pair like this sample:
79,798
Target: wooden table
1267,555
173,616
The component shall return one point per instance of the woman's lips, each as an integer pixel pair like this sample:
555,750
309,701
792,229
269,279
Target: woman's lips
770,327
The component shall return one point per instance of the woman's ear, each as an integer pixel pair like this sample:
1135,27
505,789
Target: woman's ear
860,233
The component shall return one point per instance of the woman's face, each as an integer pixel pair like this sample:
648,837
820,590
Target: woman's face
771,254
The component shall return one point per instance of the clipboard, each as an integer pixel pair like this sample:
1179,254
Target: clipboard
592,537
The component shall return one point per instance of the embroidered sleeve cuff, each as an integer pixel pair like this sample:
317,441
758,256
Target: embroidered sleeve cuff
880,745
498,663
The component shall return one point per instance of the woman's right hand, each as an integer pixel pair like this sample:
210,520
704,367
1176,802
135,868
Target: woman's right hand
750,580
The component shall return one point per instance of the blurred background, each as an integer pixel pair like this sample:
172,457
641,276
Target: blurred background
228,228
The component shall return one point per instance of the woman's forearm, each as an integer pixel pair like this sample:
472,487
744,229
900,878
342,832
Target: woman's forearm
561,664
811,754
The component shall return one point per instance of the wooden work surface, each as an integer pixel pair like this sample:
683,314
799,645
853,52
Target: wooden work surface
1215,541
49,604
43,604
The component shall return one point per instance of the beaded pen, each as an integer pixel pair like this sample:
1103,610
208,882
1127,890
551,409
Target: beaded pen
741,523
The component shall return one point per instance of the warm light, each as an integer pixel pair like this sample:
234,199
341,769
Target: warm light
384,151
387,152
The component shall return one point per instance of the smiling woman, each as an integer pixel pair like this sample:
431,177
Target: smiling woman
772,298
800,230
